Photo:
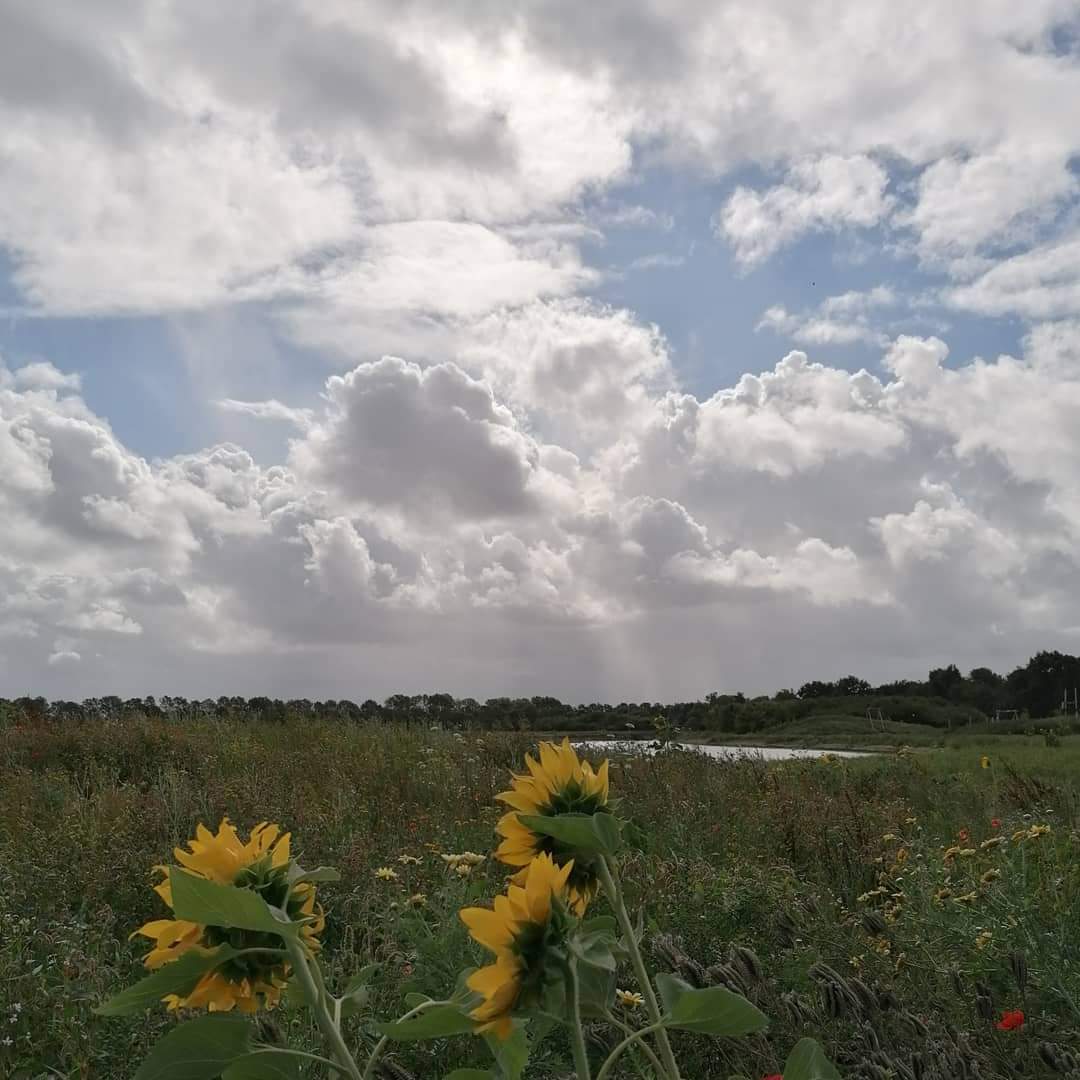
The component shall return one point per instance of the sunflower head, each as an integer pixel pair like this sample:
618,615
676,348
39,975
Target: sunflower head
526,930
559,783
262,865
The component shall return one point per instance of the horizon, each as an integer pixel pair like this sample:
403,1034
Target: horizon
521,350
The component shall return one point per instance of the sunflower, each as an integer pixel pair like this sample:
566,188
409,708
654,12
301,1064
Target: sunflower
560,783
261,864
525,928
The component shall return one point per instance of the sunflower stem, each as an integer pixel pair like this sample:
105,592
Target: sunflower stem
331,1032
577,1036
645,1048
380,1046
629,1041
613,888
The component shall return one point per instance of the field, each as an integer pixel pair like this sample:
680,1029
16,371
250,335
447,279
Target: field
896,906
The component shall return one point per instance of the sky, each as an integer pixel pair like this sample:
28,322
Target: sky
623,351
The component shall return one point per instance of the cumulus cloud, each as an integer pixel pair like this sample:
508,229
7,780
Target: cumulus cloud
818,195
417,511
505,485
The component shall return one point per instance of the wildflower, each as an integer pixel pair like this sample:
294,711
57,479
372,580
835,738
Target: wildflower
527,923
962,835
408,860
417,900
911,821
827,759
385,873
559,783
1010,1020
773,1076
990,875
968,898
262,865
993,842
983,939
1038,830
901,856
864,897
995,823
984,762
889,837
463,869
629,999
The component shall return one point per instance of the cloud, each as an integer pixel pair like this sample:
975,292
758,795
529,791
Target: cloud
838,320
267,410
819,195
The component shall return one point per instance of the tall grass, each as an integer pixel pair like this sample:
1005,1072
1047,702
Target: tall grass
736,854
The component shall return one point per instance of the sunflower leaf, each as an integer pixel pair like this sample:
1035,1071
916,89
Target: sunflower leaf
712,1011
511,1054
201,901
296,875
435,1023
582,832
198,1050
807,1061
177,977
265,1063
470,1074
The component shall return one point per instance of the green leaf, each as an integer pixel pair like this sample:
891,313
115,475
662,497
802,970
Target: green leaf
583,832
177,977
511,1055
296,996
206,902
600,924
321,873
609,830
435,1023
807,1061
362,978
266,1063
412,1000
596,989
470,1074
594,949
713,1011
201,1049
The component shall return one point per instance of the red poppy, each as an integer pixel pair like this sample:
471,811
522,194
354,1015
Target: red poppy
1010,1020
995,823
773,1076
963,834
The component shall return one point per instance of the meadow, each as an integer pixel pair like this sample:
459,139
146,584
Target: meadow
905,909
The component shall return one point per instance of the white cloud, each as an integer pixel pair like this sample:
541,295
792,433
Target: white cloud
819,195
838,320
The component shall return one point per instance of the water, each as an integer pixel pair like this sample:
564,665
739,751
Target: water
767,753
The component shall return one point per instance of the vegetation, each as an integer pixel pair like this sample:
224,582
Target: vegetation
946,699
914,911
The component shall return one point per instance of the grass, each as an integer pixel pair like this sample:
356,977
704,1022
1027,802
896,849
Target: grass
788,860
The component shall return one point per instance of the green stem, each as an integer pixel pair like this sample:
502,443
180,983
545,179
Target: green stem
613,890
331,1032
577,1036
380,1046
645,1048
629,1041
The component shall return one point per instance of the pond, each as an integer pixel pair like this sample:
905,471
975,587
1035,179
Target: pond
768,753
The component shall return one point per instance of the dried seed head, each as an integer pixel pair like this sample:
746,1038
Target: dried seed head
984,1007
1019,969
957,983
873,923
867,1001
746,960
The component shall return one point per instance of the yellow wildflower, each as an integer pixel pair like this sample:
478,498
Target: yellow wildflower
385,873
408,860
417,900
968,898
629,999
983,940
990,875
993,842
984,762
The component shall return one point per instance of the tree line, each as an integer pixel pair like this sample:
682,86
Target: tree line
945,698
